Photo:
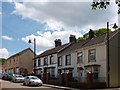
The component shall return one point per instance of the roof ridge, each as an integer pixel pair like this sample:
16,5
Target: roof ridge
64,47
20,52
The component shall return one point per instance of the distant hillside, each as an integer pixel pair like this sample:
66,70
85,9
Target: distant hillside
1,60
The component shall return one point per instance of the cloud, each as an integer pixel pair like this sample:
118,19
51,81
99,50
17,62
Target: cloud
53,25
66,14
46,39
3,53
7,38
60,19
40,52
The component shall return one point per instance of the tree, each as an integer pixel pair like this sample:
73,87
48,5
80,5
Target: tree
97,33
103,4
2,61
101,31
81,39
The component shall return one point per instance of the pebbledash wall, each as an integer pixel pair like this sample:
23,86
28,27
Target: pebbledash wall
99,45
39,69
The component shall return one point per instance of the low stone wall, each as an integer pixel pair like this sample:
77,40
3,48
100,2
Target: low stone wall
54,82
99,85
65,80
77,85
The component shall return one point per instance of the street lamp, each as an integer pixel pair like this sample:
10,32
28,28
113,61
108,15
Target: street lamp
34,46
107,51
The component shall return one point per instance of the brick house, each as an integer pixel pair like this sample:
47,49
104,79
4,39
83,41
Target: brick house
20,63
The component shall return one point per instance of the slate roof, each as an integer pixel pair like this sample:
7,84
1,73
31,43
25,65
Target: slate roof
53,50
87,43
19,53
71,47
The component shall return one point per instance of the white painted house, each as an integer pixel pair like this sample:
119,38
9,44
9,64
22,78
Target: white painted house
48,60
88,56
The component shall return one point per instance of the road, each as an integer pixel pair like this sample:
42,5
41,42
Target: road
7,85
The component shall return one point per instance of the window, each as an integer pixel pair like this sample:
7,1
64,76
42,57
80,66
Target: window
34,63
39,62
51,60
80,57
60,61
95,72
91,55
68,59
45,61
17,70
52,72
59,71
10,61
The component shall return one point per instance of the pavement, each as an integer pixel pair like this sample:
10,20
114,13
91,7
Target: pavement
68,88
60,87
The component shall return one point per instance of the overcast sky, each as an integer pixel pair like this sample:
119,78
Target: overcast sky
47,21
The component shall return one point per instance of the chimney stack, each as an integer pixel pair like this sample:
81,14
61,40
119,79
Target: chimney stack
91,34
58,42
72,39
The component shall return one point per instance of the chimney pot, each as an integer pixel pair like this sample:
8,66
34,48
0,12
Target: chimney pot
58,42
91,34
72,39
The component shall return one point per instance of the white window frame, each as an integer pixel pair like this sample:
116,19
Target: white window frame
60,61
68,60
91,55
51,59
39,62
45,61
79,57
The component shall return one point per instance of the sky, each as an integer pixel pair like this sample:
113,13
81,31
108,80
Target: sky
47,21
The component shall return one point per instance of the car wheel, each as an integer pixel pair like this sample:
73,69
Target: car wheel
24,83
29,83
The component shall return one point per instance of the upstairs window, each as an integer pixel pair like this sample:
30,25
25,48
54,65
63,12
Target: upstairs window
39,62
34,63
68,60
91,55
79,57
51,60
60,61
45,61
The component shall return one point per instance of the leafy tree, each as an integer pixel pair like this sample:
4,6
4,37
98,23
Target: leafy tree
96,5
81,39
97,33
101,31
103,4
2,60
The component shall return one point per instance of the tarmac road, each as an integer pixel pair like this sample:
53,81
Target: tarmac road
8,85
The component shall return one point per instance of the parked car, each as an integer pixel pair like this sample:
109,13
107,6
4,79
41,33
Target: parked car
8,76
17,78
1,75
32,80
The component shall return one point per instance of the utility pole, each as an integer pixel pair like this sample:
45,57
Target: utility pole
107,51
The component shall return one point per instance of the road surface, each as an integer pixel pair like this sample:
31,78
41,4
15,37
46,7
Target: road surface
8,85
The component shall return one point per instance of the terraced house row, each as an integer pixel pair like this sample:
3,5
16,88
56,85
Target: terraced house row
78,59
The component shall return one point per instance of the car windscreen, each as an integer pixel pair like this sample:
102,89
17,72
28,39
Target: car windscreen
33,78
19,76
